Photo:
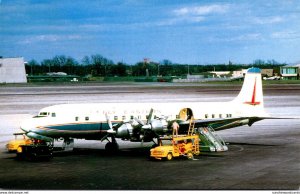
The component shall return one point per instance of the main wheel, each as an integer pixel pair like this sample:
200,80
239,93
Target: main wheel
111,147
169,156
190,156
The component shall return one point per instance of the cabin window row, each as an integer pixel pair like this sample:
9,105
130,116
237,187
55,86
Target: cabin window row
117,117
218,116
177,116
85,118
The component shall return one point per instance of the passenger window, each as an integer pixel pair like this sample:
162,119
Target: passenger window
115,118
177,116
87,118
206,116
131,117
53,114
213,116
123,117
220,115
76,118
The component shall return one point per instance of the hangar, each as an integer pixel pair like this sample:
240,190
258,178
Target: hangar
12,70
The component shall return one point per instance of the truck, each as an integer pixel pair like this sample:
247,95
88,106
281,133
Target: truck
182,145
37,150
20,139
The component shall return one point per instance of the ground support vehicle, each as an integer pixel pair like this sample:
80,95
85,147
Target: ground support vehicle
20,139
186,145
179,145
38,150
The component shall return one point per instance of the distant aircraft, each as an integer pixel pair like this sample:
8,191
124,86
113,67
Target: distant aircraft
143,122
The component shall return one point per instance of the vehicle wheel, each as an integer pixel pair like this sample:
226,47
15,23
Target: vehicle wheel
169,156
190,156
20,156
32,157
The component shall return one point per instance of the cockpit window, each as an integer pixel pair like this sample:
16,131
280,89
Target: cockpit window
53,114
44,114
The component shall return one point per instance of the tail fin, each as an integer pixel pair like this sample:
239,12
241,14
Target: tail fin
251,94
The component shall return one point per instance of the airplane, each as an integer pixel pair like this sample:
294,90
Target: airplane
143,122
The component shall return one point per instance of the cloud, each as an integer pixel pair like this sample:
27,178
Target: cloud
248,37
176,20
287,34
268,20
193,14
49,38
243,37
201,10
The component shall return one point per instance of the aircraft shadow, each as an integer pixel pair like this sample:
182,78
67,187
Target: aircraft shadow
250,144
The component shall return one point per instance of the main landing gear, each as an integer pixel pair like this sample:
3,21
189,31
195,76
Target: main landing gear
112,146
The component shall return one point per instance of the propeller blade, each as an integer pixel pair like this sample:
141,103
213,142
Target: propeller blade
139,121
108,122
146,127
105,137
150,116
111,131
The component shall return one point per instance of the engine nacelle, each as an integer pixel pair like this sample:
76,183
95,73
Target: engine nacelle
159,126
39,137
124,131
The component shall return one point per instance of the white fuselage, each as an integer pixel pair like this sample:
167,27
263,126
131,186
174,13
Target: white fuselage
90,120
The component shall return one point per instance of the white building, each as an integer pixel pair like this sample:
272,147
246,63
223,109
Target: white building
12,70
240,73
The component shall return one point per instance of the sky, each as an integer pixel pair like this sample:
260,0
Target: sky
182,31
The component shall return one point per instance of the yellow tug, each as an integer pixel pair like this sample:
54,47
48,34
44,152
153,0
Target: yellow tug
20,139
181,145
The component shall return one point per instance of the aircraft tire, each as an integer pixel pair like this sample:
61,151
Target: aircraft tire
112,147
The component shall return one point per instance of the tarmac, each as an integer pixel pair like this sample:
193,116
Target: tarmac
264,156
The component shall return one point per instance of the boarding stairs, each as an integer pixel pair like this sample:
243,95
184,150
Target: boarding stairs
210,140
191,131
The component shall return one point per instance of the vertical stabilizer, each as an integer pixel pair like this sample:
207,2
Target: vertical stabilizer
251,94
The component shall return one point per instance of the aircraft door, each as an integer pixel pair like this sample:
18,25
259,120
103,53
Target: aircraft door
185,114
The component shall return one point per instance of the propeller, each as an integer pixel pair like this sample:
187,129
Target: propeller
145,127
148,126
110,131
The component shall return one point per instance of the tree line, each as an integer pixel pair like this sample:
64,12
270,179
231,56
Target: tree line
97,65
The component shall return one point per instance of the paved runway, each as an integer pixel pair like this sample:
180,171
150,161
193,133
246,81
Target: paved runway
264,156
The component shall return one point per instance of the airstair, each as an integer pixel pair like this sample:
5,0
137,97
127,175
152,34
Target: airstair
191,131
210,140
